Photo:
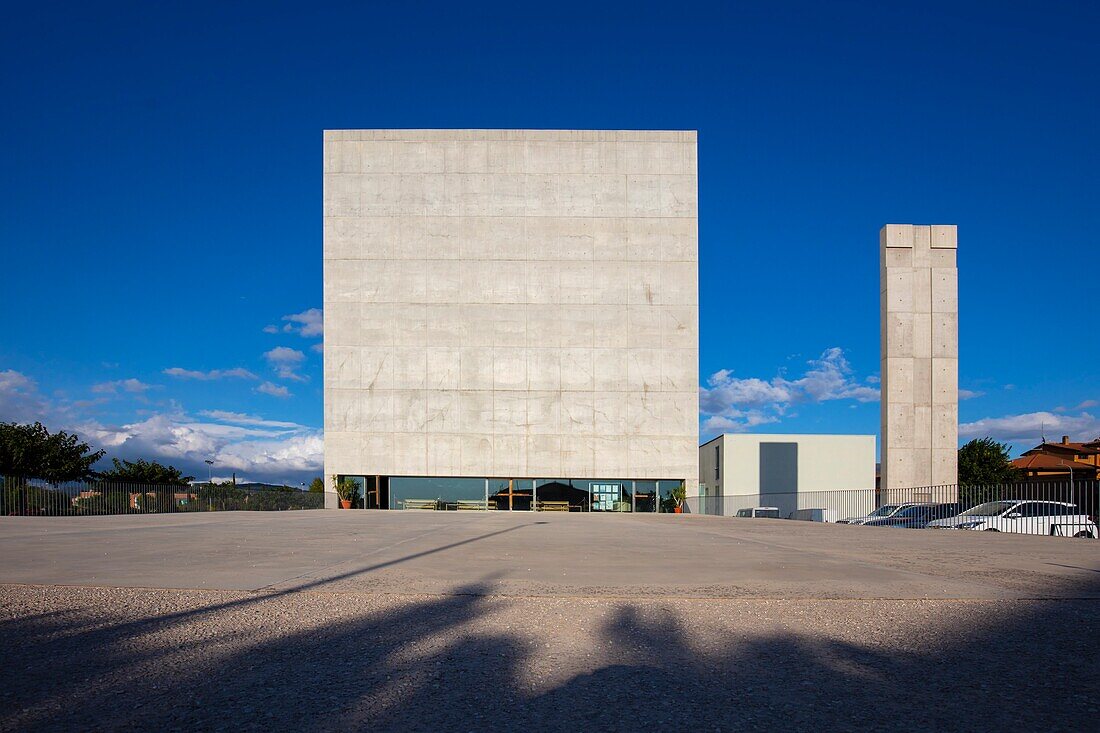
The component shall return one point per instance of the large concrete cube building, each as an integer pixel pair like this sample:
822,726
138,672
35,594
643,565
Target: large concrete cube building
511,316
920,356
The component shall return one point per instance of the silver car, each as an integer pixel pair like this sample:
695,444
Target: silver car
884,511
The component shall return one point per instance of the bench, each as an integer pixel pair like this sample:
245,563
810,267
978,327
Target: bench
473,505
420,504
553,506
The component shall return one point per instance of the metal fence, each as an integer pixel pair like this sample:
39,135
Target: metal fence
1032,500
37,497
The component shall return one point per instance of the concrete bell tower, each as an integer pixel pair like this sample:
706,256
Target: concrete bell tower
920,356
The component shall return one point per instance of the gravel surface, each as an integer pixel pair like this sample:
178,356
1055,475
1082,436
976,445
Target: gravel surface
93,658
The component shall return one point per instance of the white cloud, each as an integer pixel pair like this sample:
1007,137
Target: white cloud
238,373
1087,404
301,453
13,381
262,448
969,394
174,437
829,378
125,385
737,421
319,347
286,361
734,403
271,329
20,400
1030,427
241,418
726,390
307,323
275,390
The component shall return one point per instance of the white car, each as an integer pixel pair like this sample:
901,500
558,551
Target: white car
1022,517
770,512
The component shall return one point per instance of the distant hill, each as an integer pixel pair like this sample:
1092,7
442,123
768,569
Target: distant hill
257,486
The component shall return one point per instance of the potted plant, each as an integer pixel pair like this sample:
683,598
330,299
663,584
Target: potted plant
678,495
348,491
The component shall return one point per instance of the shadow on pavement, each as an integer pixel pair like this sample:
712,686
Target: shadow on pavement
469,661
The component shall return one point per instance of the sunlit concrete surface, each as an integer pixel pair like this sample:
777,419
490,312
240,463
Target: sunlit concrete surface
545,554
919,355
511,303
439,621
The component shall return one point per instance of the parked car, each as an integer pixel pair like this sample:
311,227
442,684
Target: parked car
770,512
1022,516
886,510
814,515
916,516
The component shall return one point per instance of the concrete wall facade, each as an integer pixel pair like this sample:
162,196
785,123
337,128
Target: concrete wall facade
511,303
844,464
920,355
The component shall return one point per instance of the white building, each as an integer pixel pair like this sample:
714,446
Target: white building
790,472
511,316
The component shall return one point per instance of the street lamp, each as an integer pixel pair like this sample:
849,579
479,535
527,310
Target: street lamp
1063,463
209,472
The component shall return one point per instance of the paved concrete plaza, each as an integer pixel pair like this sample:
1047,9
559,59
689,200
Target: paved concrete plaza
540,554
464,621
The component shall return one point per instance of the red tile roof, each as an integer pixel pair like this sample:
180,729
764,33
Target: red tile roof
1086,448
1045,461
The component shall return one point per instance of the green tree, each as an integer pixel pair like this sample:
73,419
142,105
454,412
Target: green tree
984,461
31,450
221,497
142,471
18,497
317,486
983,464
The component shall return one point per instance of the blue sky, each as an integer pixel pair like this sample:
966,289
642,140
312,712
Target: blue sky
161,196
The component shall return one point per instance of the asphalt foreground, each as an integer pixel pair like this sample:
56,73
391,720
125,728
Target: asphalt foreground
470,622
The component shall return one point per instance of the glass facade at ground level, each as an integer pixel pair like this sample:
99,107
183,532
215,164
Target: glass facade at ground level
514,494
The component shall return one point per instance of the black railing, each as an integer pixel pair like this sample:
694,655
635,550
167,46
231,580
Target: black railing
38,497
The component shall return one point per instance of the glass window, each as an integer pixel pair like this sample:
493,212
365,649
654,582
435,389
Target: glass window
1030,509
556,493
435,493
1045,509
989,509
664,491
945,510
645,496
511,494
609,496
360,497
